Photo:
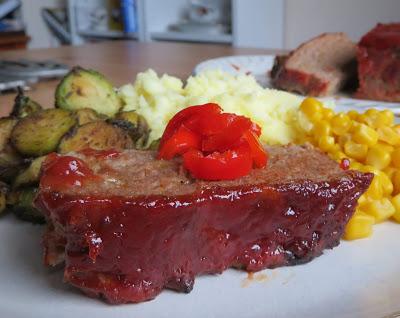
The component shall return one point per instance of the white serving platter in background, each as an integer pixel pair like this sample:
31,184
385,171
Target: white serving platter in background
356,279
260,65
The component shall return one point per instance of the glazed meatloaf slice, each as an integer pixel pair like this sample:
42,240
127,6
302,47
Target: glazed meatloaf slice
319,67
378,56
128,225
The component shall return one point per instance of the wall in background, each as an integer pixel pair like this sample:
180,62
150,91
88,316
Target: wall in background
35,27
305,19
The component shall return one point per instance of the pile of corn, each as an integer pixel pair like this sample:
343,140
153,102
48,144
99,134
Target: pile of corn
371,141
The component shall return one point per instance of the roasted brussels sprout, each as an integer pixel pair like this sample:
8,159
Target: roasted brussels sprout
3,196
135,125
6,126
11,164
10,161
97,135
40,133
154,144
82,88
24,106
29,176
87,115
21,203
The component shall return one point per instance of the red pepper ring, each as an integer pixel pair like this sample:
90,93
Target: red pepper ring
184,115
180,142
258,154
228,165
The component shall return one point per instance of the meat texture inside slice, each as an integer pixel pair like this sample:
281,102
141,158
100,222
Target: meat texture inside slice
319,67
128,226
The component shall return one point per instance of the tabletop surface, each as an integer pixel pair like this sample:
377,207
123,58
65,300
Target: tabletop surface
120,61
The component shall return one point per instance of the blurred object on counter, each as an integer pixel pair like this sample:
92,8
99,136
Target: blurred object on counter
128,11
22,73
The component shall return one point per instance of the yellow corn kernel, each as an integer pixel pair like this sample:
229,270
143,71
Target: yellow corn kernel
362,199
321,128
326,143
378,157
343,139
389,171
327,113
311,107
353,114
381,209
387,117
354,165
365,135
385,146
388,135
362,119
375,189
338,156
359,226
397,128
396,204
341,123
386,183
396,181
396,158
354,150
372,112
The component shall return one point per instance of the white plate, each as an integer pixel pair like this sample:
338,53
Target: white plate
260,65
356,279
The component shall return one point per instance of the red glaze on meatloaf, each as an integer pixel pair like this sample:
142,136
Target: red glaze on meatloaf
378,57
128,225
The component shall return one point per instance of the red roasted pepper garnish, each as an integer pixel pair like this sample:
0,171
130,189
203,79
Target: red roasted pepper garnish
345,164
214,145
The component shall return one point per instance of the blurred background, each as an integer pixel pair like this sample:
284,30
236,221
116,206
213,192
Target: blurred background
247,23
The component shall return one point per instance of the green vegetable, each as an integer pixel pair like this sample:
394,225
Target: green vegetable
135,125
40,133
21,202
87,115
24,106
82,88
97,135
29,176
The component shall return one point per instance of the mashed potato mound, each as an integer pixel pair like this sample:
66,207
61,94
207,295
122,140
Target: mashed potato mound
158,99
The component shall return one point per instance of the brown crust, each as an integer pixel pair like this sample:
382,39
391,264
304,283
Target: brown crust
136,172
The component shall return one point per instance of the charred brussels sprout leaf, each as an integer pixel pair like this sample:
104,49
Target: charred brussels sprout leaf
6,126
97,135
82,88
24,106
87,115
21,202
10,161
136,126
40,133
154,144
29,176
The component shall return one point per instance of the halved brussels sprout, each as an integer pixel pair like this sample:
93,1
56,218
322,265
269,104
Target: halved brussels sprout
21,203
136,126
40,133
82,88
97,135
87,115
6,126
29,176
24,106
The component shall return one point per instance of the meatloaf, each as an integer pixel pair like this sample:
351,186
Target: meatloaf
127,226
378,56
319,67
